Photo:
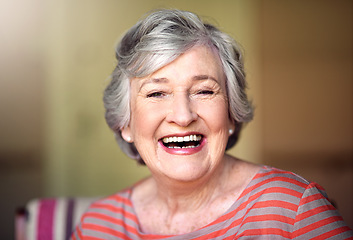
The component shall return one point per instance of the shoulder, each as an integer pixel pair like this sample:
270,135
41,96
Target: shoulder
275,187
272,173
107,215
114,203
292,205
280,180
287,182
110,209
117,199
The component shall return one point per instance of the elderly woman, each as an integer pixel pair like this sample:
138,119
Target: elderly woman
176,103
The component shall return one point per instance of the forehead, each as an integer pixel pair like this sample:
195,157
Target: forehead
198,63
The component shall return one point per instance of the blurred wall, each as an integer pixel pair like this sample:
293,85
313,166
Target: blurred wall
307,83
56,57
22,83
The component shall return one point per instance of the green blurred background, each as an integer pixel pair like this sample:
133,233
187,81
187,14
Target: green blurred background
56,57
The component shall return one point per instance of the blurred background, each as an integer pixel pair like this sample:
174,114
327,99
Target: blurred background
56,58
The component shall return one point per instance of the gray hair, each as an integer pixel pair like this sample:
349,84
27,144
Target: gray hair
156,41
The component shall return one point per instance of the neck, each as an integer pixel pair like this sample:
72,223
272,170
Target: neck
182,196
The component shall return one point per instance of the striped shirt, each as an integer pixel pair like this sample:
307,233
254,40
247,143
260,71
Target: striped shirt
275,205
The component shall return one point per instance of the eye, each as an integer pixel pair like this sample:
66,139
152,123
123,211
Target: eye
155,95
206,92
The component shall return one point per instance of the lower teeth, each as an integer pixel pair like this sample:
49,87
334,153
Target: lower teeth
177,147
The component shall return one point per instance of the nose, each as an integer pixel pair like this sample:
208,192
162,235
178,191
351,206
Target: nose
181,110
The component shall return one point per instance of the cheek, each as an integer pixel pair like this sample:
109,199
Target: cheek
215,114
218,123
145,120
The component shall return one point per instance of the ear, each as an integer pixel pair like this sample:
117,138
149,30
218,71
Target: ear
126,134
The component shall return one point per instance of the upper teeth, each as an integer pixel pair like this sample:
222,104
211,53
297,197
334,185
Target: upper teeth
182,139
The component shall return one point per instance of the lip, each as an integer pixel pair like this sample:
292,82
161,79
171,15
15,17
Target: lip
183,151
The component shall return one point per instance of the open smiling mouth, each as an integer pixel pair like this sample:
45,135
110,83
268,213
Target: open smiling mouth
190,141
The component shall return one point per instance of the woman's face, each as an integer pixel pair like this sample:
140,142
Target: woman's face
179,116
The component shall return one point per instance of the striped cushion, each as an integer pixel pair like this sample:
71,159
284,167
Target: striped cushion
54,218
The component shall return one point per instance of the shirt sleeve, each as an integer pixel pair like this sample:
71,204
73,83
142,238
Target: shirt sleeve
317,218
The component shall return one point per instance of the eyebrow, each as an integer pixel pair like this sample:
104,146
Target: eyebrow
204,77
166,80
153,80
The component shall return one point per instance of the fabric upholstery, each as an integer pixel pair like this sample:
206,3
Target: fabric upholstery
50,218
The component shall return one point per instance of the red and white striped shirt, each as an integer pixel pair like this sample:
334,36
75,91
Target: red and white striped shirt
275,205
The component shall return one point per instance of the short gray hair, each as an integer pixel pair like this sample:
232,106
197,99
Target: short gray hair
157,40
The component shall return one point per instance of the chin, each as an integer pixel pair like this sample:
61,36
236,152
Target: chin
185,171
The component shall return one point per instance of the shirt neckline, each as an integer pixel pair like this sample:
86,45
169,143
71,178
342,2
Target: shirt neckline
235,204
